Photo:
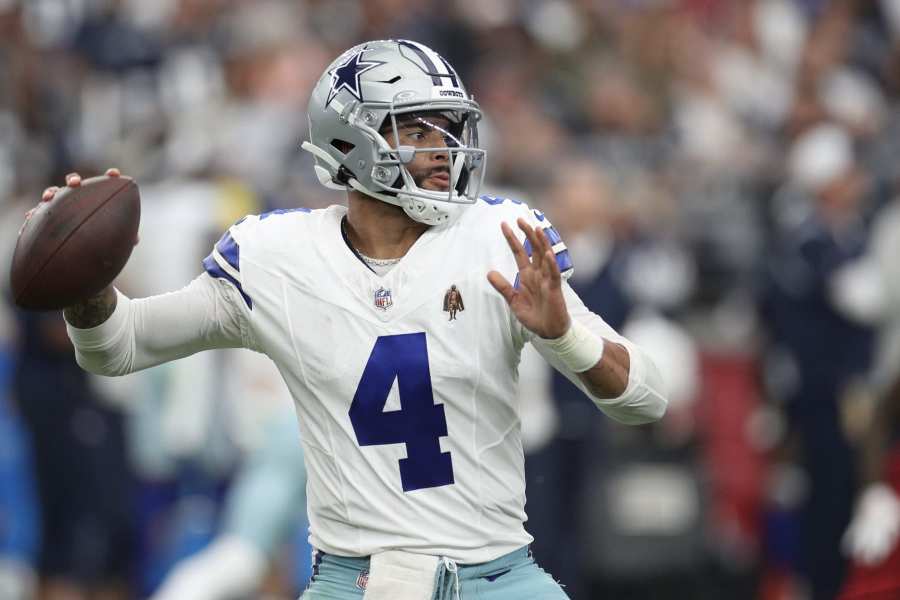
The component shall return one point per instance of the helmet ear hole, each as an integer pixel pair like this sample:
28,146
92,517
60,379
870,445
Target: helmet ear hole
343,174
342,146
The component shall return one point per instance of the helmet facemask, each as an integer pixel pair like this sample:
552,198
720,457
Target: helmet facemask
392,173
463,167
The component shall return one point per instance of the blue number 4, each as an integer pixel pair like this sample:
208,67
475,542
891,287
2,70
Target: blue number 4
419,423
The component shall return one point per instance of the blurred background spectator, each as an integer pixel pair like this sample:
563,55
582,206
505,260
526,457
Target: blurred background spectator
724,173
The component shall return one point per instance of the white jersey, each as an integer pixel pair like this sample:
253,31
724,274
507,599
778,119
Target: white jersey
405,384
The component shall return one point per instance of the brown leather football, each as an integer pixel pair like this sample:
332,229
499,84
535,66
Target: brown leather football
74,245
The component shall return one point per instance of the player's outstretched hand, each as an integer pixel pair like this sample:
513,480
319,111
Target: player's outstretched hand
538,302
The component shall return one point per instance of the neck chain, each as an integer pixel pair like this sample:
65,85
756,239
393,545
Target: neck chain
375,262
378,262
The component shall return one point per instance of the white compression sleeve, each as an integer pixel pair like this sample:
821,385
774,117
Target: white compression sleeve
145,332
644,399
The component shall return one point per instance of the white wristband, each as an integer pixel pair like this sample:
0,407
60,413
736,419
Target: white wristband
578,349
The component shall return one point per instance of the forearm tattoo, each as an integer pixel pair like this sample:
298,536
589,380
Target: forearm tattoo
93,311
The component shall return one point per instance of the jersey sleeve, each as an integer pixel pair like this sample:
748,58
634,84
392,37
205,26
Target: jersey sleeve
644,398
141,333
224,262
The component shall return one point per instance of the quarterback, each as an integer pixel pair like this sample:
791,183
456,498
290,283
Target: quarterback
409,420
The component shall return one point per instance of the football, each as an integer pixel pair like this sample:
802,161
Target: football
74,245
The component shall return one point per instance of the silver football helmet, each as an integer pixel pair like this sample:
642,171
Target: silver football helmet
353,127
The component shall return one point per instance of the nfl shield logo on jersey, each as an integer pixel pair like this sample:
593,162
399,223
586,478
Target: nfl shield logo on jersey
383,299
362,580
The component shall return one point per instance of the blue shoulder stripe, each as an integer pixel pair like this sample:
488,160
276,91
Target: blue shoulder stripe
552,235
283,211
564,261
215,270
230,250
495,200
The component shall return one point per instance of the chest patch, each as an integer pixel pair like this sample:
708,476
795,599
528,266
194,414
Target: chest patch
453,302
383,299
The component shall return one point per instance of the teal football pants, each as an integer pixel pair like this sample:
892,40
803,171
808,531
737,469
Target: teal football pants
514,576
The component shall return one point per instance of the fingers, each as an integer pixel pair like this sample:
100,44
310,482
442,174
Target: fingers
48,194
502,285
542,256
534,242
551,270
73,180
518,250
546,245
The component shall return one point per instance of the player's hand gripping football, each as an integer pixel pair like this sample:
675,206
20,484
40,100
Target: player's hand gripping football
75,242
73,180
538,302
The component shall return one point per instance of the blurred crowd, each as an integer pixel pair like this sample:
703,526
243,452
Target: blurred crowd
724,172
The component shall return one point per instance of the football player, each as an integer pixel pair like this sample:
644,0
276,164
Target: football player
409,422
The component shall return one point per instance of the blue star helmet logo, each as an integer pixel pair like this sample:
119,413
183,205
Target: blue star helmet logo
346,76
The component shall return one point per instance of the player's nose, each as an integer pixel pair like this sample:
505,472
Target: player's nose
441,155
